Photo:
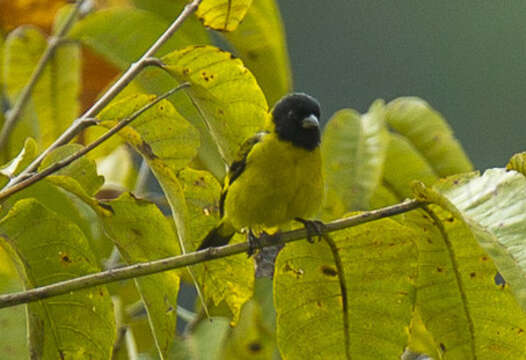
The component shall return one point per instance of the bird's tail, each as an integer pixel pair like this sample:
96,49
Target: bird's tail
218,236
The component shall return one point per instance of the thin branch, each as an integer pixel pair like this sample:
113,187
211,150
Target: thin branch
114,90
68,160
152,267
14,114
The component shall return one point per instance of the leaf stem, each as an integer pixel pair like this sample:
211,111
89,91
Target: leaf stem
54,41
152,267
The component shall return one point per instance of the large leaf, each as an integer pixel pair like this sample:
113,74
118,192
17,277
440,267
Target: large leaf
224,15
429,133
54,98
142,233
230,279
225,92
353,150
260,42
314,315
79,324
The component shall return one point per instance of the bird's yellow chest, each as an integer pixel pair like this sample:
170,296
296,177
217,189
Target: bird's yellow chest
280,182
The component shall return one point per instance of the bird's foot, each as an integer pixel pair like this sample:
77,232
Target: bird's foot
254,242
313,227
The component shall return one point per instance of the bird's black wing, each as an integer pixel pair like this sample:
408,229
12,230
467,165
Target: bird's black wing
238,166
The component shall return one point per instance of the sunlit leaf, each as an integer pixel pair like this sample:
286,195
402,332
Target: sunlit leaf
379,269
17,164
142,233
224,15
260,42
353,150
55,96
225,92
79,324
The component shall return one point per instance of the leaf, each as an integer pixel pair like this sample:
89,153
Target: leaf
142,233
225,93
429,133
41,13
353,150
122,35
21,161
55,96
79,324
518,163
117,169
223,15
379,269
83,170
230,279
260,42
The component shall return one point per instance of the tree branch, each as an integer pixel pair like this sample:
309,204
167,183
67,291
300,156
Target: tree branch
152,267
68,160
13,115
114,90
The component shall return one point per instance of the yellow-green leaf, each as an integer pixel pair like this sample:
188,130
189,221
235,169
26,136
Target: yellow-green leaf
23,159
73,326
429,133
142,233
225,93
353,149
379,268
230,279
54,98
223,15
260,42
518,163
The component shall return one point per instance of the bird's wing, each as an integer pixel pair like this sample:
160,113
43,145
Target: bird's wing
238,165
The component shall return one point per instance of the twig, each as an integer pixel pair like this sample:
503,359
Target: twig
68,160
54,41
152,267
114,90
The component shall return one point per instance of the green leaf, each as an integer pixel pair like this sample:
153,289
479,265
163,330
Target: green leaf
518,163
429,133
142,233
54,98
20,162
83,170
353,149
79,324
223,15
379,269
225,93
230,279
122,35
260,42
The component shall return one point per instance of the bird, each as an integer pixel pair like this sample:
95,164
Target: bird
276,177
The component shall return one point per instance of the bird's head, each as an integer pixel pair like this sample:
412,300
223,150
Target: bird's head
296,119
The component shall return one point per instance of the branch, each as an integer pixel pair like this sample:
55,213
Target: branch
68,160
114,90
14,114
152,267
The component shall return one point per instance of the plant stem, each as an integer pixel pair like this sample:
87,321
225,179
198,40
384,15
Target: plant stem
152,267
114,90
13,114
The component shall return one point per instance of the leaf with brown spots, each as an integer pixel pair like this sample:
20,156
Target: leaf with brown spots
223,15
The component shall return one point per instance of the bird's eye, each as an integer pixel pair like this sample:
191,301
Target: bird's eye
290,114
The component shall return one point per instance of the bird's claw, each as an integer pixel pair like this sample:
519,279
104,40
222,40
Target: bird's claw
313,227
254,242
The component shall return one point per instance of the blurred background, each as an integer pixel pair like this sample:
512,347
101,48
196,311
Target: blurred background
467,59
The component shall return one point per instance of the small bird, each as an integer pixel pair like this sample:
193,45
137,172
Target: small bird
277,176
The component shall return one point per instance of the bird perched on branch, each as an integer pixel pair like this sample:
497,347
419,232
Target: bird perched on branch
277,176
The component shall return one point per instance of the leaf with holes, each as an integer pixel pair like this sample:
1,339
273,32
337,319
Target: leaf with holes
260,43
225,93
223,15
229,279
79,324
353,149
142,233
356,304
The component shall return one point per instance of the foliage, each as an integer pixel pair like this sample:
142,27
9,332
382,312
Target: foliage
446,280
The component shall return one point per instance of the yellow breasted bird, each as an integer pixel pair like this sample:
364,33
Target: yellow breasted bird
277,175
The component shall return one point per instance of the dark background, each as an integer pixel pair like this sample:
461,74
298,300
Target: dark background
466,58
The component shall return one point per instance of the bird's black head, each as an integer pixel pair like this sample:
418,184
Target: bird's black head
296,118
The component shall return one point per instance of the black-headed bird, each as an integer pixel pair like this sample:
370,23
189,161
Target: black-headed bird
277,176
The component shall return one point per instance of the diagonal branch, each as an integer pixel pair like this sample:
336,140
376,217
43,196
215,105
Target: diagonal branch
13,114
152,267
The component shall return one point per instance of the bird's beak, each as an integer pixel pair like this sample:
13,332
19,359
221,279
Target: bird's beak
310,121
